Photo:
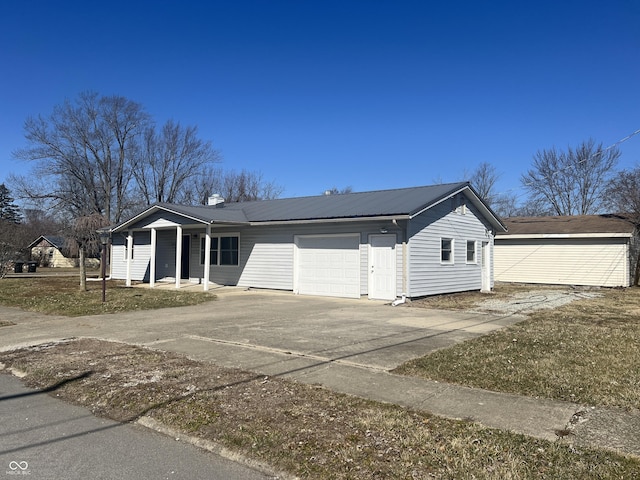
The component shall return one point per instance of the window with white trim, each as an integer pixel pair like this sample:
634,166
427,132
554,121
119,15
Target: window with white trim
446,250
224,250
471,251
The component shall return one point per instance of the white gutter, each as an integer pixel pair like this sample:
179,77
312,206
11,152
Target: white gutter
534,236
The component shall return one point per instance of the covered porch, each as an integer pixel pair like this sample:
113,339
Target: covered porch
175,255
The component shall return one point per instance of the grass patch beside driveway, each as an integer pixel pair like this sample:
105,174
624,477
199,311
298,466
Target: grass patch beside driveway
584,352
301,429
62,296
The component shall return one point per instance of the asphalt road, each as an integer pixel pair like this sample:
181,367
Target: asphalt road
45,438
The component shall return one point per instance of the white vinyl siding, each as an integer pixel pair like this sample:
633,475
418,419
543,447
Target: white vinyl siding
266,259
140,262
428,275
596,261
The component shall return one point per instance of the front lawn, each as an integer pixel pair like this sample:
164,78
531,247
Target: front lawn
304,430
584,352
62,296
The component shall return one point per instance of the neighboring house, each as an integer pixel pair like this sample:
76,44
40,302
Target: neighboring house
51,251
413,241
597,250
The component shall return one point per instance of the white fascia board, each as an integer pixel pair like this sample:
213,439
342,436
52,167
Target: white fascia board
563,235
197,220
150,210
431,205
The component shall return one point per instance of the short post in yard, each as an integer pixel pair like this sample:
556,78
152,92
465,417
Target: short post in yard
104,240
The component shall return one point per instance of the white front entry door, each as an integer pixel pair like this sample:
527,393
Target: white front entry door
382,267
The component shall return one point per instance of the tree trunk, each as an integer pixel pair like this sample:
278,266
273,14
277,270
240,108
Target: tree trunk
83,270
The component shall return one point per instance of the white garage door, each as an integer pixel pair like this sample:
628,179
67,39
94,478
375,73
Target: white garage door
599,262
328,265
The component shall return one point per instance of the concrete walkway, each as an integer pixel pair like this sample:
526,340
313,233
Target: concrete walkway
347,345
46,438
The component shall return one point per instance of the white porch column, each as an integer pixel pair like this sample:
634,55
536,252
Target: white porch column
152,260
207,259
178,254
129,257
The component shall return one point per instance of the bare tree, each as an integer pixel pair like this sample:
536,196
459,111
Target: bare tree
338,191
483,180
233,186
623,194
571,182
247,186
84,240
506,205
623,197
10,245
85,151
170,161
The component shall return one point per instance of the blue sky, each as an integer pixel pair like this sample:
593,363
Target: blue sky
315,94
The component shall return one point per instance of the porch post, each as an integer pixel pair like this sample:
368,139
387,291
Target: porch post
152,260
129,257
178,255
207,258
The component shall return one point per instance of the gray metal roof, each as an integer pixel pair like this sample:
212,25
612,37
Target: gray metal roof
380,203
403,201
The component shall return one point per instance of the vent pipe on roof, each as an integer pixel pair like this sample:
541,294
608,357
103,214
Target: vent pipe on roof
216,200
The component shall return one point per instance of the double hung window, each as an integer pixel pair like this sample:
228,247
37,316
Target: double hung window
224,250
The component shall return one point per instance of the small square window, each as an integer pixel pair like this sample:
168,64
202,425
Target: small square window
471,251
446,250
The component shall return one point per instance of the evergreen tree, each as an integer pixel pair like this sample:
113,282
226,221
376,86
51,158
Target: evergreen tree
9,211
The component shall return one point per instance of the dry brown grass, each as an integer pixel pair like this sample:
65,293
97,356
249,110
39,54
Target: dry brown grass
304,430
585,352
62,296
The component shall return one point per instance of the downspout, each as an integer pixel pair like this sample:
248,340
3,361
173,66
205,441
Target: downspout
403,298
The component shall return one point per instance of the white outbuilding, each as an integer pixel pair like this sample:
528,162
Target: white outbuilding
594,250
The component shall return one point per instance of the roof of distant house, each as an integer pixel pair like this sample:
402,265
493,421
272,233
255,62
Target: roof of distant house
578,224
54,241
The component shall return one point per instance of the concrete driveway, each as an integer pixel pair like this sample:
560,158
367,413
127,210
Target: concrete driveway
344,345
259,330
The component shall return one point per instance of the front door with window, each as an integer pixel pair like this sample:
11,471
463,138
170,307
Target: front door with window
382,267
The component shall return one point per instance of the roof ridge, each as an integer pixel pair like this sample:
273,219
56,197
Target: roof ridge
462,183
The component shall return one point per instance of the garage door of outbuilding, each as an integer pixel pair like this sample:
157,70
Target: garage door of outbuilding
327,265
580,261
